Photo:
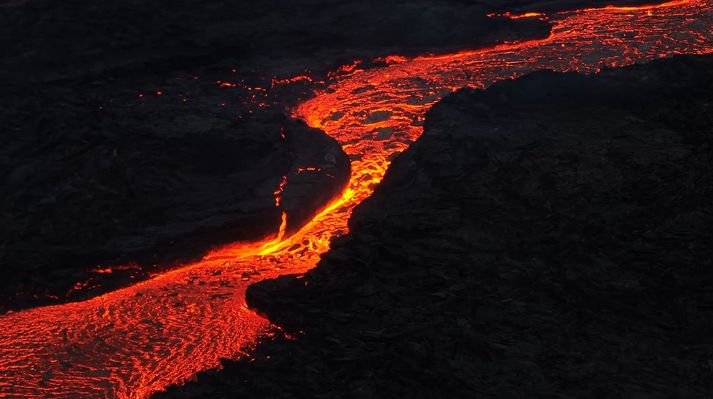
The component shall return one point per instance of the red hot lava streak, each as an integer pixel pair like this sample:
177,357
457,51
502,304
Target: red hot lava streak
137,340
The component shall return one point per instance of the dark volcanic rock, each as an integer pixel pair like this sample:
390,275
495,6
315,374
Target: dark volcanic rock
71,123
150,185
77,38
547,237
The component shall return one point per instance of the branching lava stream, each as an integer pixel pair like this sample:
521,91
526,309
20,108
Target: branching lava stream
137,340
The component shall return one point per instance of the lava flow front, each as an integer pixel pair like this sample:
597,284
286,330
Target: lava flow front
135,341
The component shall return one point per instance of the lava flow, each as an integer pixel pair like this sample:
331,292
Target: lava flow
137,340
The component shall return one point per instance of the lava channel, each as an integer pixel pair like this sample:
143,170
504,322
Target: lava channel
137,340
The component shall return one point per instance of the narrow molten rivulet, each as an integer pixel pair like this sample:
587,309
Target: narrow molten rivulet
135,341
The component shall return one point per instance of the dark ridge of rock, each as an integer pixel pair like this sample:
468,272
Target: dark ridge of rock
547,237
148,186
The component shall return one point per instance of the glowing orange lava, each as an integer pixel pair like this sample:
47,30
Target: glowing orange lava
137,340
510,15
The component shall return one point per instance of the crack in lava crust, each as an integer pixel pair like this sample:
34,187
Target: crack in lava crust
135,341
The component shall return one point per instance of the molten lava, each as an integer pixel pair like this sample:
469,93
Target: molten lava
137,340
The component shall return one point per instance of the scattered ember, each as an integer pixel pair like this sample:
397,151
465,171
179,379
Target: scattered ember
291,80
537,15
225,84
308,169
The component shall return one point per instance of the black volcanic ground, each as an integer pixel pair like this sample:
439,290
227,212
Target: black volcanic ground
94,175
547,237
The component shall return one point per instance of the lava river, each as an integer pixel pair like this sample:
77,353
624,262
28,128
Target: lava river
137,340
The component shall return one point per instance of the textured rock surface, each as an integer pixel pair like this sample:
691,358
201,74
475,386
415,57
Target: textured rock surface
82,78
84,37
152,185
548,237
47,41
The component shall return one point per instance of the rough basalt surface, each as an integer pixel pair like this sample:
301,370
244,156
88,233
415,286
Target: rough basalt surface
46,41
80,38
149,187
547,237
92,92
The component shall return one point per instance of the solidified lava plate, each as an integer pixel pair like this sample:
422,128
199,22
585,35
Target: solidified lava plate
135,341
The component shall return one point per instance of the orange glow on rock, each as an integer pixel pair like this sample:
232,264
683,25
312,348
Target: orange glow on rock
137,340
280,189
